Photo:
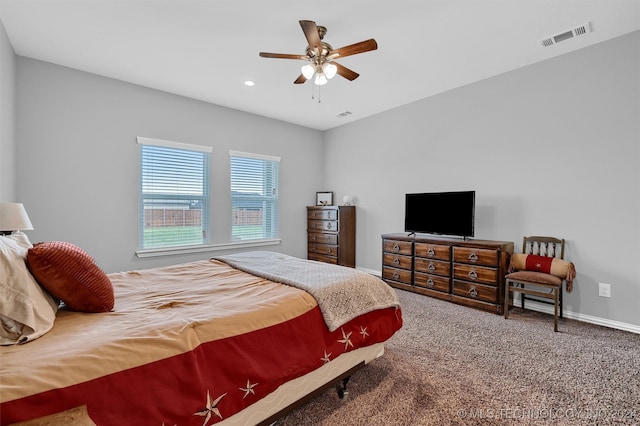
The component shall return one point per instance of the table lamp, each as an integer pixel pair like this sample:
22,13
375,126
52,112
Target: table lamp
13,217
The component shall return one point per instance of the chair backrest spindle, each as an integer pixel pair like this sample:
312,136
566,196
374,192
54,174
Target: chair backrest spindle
543,246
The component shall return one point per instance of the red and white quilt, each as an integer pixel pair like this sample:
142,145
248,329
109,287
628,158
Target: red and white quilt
188,344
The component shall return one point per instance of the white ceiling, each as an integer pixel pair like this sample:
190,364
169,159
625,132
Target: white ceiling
206,49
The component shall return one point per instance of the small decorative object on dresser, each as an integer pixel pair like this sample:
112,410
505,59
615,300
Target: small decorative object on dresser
331,234
324,198
468,272
348,200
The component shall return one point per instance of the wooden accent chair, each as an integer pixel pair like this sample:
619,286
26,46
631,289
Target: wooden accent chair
541,265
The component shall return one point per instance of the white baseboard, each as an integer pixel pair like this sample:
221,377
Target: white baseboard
370,271
541,307
548,309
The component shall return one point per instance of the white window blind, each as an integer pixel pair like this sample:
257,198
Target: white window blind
174,194
254,196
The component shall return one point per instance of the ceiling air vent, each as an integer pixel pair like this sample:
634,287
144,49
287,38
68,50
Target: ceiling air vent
566,35
344,114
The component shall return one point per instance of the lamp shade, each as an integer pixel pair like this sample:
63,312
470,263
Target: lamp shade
320,79
13,217
308,71
329,70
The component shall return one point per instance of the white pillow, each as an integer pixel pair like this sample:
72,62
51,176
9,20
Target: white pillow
27,311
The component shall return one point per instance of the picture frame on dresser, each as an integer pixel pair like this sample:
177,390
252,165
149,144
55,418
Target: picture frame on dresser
324,198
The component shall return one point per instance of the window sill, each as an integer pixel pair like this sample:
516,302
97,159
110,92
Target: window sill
170,251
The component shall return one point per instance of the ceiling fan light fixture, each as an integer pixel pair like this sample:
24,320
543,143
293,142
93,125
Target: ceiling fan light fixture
329,70
320,56
308,71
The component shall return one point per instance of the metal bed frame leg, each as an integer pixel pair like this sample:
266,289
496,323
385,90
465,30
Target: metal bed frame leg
341,387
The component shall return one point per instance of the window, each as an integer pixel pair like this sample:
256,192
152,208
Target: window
174,194
254,196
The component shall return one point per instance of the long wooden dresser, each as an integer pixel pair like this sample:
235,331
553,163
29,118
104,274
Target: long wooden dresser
331,234
468,272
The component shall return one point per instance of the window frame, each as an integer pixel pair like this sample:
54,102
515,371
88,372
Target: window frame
275,221
205,197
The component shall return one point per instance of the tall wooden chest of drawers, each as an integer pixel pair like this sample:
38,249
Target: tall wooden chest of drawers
331,234
468,272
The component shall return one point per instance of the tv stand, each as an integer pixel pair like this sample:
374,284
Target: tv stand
467,272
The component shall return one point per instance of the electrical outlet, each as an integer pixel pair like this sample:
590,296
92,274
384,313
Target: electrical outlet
604,290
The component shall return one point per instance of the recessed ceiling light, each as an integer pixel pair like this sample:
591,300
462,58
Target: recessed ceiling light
249,83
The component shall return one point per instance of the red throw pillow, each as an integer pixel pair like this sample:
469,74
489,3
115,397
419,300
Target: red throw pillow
533,262
71,275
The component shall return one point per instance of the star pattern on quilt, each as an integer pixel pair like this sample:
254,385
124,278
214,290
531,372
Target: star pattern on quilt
248,389
363,332
538,265
346,339
326,358
211,407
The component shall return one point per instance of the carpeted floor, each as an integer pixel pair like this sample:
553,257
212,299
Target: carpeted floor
453,365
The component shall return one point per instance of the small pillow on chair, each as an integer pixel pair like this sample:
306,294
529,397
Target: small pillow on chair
544,264
71,275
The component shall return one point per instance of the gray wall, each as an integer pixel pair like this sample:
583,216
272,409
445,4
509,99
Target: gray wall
551,149
7,119
78,160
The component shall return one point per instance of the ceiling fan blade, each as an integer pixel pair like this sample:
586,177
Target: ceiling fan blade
352,49
346,72
282,55
311,33
301,79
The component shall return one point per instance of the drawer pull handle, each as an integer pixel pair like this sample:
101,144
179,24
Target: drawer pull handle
396,261
473,275
328,249
313,247
473,257
431,267
313,214
396,248
431,252
396,275
313,238
430,283
313,225
329,225
473,291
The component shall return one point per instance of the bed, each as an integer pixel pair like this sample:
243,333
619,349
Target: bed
237,339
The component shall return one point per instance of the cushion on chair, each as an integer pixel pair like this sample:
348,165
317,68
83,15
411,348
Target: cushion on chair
535,277
544,264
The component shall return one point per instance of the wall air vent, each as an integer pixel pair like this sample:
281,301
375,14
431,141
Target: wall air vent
566,35
344,114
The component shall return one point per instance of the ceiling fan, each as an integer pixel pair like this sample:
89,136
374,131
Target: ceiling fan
321,56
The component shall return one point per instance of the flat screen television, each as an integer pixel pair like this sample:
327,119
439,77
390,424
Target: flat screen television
442,213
